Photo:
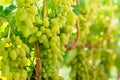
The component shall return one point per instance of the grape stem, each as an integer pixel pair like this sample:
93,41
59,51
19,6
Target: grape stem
74,44
38,61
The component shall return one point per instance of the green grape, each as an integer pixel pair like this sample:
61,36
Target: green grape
33,30
18,41
17,76
42,29
59,14
6,61
48,32
10,76
82,18
26,31
55,49
26,48
60,58
5,70
5,54
46,44
24,61
45,75
23,16
1,50
18,60
33,10
54,39
55,30
28,23
39,33
3,43
7,39
52,43
42,38
63,38
32,17
22,52
32,39
54,21
13,55
14,64
71,18
66,29
38,20
46,22
23,74
63,20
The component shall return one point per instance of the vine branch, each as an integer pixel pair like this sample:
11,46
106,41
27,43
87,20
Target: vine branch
74,44
38,61
36,45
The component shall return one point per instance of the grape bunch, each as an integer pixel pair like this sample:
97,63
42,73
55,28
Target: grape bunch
52,31
13,58
83,68
25,16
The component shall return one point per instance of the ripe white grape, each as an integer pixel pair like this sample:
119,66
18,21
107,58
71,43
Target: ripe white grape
13,54
5,70
22,52
10,76
45,22
33,10
23,74
17,76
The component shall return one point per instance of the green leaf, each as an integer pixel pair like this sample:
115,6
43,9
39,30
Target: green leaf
1,8
76,10
9,9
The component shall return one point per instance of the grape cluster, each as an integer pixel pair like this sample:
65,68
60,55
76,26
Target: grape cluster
52,31
53,34
13,58
25,16
83,68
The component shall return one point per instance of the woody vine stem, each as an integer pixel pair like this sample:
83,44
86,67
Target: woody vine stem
36,46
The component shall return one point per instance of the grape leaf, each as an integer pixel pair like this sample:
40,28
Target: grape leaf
9,9
76,10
